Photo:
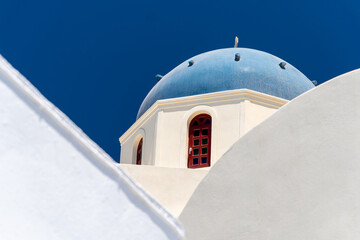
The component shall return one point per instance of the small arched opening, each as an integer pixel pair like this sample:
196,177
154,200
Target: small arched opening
199,147
139,152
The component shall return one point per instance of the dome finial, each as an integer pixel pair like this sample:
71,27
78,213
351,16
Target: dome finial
236,42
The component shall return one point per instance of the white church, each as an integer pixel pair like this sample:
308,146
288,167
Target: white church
231,144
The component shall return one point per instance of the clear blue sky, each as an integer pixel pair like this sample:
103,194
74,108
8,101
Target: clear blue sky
97,60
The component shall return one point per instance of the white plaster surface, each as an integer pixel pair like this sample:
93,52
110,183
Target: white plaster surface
294,176
55,183
165,125
171,187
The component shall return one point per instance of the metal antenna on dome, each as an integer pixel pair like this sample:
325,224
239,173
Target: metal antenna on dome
236,42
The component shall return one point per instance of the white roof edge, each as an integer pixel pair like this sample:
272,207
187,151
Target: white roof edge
60,119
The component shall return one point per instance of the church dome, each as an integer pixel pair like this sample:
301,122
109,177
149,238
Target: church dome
228,69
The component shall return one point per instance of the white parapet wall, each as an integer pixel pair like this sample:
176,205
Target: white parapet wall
294,176
171,187
56,183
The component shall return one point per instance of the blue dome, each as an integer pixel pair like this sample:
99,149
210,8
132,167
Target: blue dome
217,70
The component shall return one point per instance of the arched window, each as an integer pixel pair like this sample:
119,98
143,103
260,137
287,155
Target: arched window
199,141
139,152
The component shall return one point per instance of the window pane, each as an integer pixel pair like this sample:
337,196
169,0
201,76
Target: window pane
205,132
204,151
199,133
196,151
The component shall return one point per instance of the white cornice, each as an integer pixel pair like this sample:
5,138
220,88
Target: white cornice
203,99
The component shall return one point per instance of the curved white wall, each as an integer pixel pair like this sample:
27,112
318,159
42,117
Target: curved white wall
294,176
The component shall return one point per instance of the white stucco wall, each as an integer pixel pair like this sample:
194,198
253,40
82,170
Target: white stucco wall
55,183
171,187
294,176
165,125
148,131
164,129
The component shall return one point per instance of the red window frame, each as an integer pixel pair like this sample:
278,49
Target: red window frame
199,147
139,152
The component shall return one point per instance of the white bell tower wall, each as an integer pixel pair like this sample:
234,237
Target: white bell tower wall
164,127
